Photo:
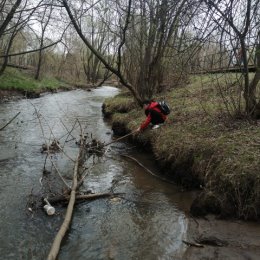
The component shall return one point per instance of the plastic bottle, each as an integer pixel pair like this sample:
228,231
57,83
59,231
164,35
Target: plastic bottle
49,209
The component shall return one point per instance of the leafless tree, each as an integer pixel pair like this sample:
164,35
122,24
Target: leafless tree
9,16
44,22
19,25
99,36
153,33
143,33
239,21
116,69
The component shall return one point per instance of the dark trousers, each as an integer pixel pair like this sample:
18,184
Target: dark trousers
156,117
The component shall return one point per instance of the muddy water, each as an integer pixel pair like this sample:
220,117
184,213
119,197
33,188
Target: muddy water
149,221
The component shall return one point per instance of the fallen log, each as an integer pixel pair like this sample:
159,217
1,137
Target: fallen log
63,199
66,223
71,198
71,194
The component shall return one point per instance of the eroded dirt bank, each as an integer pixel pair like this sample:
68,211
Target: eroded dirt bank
199,152
218,236
209,236
223,240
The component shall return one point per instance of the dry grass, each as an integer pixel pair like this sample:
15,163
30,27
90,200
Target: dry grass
123,103
215,151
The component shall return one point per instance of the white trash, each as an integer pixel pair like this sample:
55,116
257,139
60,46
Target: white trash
50,210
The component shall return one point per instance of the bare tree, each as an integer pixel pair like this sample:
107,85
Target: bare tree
153,28
13,29
9,16
117,70
143,32
16,29
19,25
238,19
99,38
44,22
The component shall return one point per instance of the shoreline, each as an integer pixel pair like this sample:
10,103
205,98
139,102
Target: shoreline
16,84
218,236
196,160
7,95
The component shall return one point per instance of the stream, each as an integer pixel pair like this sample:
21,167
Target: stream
149,221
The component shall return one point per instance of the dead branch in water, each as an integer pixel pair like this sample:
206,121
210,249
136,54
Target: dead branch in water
83,197
120,138
65,225
66,191
152,173
192,244
9,122
58,171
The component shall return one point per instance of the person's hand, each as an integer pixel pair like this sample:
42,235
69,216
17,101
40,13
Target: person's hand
138,130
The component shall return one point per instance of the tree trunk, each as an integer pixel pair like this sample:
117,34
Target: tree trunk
4,65
9,17
249,89
253,106
37,75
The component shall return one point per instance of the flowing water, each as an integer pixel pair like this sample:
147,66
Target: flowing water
149,219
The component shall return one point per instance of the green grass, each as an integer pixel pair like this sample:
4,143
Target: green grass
13,79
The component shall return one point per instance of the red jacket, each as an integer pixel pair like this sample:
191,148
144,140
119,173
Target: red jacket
152,106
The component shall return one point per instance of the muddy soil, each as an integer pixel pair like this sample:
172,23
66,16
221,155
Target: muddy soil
221,239
10,95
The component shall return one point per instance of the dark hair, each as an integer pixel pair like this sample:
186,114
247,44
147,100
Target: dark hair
146,102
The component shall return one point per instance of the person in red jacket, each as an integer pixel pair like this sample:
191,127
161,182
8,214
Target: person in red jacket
153,114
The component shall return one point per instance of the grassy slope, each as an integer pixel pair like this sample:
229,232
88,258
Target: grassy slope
13,79
198,146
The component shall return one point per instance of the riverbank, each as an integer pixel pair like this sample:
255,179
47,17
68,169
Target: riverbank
200,148
16,84
154,211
